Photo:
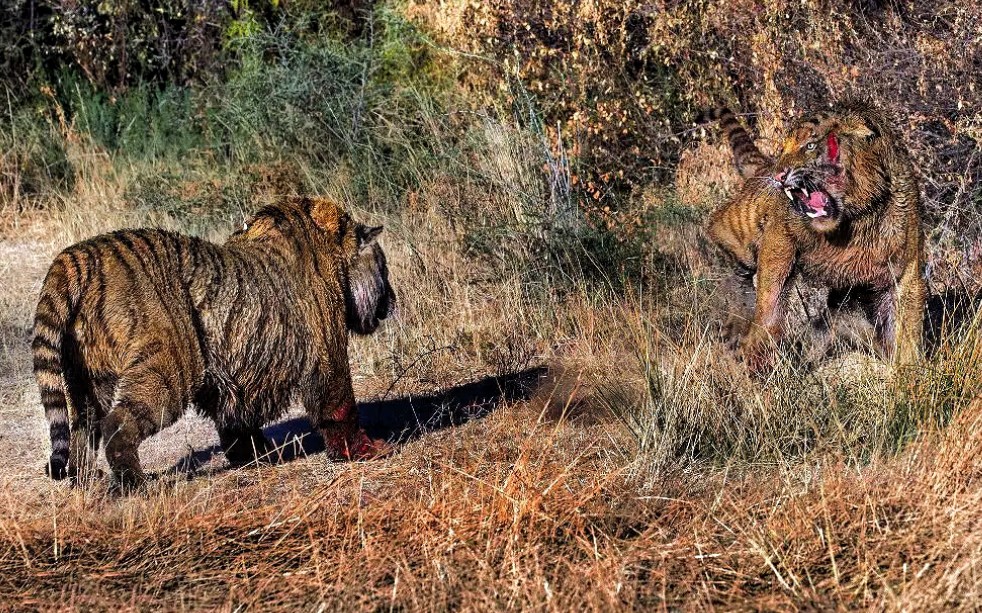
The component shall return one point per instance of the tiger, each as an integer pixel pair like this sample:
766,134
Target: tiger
135,326
840,206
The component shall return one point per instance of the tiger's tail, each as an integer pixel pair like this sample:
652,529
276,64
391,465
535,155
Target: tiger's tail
57,306
747,157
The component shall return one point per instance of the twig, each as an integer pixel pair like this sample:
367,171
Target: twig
412,364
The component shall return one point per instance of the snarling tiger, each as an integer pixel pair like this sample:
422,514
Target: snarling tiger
840,206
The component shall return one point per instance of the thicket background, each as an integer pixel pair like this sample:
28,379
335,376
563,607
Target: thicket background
580,111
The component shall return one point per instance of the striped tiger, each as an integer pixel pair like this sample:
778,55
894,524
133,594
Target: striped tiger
134,326
841,207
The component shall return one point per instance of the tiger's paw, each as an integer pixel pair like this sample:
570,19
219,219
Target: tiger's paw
357,447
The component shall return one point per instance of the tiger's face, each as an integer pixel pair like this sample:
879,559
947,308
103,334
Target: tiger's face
369,297
814,168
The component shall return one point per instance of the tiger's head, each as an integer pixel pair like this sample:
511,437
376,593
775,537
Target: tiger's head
370,298
368,295
831,166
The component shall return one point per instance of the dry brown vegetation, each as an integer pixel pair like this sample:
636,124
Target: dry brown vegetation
646,471
643,469
512,514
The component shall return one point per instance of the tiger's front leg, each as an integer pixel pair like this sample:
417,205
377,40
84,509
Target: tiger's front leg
900,318
775,262
330,406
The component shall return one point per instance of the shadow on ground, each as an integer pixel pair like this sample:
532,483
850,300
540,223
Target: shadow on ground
948,315
398,420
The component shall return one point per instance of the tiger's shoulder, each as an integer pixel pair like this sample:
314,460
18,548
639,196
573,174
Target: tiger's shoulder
738,224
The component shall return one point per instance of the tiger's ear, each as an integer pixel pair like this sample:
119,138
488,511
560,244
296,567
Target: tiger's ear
328,216
856,127
367,235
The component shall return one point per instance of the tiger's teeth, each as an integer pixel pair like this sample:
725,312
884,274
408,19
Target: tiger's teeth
787,192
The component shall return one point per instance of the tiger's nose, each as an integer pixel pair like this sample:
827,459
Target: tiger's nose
781,177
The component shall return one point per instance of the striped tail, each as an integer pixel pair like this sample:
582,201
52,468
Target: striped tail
746,155
56,309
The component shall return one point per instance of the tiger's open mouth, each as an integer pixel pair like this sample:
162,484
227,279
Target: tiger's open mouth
811,200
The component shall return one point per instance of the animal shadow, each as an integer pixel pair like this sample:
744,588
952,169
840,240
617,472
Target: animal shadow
947,315
397,421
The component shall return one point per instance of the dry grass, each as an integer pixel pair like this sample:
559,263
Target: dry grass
518,514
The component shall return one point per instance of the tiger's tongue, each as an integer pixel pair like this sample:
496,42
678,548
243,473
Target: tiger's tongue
816,202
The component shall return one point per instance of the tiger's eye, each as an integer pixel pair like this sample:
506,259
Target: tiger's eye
810,146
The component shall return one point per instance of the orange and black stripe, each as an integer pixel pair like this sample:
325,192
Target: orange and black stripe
57,306
747,157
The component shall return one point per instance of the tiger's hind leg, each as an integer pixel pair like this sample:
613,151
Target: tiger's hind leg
245,445
150,395
85,432
90,396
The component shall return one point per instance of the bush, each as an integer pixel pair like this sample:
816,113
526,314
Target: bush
370,106
622,81
34,159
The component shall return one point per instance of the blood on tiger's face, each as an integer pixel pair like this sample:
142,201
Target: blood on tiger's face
812,169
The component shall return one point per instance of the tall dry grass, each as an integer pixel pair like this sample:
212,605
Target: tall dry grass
516,513
648,471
